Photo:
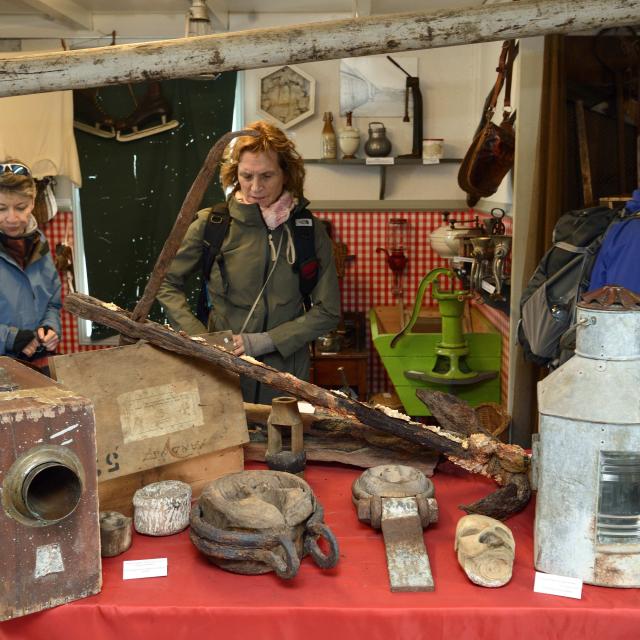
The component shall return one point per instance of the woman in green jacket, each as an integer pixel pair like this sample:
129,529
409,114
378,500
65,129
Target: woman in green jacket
254,287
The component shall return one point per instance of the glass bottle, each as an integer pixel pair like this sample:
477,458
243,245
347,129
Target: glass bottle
328,137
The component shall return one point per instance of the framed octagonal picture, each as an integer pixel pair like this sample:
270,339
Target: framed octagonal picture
287,95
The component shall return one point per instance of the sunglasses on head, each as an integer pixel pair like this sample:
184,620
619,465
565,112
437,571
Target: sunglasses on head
14,167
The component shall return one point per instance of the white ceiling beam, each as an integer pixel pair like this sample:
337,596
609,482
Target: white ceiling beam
64,11
219,14
332,40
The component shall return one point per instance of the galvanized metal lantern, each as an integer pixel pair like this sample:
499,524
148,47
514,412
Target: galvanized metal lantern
588,508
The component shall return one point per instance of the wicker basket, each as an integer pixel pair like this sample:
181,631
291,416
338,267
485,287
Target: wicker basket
493,417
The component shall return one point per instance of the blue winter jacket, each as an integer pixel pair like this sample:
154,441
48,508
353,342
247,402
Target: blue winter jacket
28,299
618,262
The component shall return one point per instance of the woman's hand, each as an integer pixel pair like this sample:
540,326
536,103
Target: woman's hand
49,339
238,345
31,348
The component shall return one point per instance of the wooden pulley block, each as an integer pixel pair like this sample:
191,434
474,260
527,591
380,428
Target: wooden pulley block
254,522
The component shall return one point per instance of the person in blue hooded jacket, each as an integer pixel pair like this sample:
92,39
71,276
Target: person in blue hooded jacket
618,261
29,283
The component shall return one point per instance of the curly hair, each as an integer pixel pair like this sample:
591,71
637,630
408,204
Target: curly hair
269,138
17,184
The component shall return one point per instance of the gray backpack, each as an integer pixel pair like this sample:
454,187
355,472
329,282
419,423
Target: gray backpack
546,330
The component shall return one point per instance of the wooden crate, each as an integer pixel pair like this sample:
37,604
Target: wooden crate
116,494
156,409
49,517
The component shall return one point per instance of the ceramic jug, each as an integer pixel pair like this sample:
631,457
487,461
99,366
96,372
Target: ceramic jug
378,145
349,139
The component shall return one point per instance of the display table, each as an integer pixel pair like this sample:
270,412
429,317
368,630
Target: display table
351,602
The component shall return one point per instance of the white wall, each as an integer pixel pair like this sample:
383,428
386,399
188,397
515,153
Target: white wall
454,83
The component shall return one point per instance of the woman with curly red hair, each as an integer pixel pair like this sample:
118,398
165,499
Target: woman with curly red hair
257,280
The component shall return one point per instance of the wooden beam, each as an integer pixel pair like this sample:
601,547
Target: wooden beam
334,39
65,11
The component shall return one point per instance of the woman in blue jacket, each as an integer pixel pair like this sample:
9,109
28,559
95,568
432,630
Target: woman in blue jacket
29,283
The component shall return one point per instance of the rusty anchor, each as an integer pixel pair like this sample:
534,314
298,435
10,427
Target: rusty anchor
399,500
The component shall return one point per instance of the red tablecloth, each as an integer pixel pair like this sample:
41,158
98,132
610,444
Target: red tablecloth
352,601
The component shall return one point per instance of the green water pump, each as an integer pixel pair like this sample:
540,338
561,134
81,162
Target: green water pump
451,367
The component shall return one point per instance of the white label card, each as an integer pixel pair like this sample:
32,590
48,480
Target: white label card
488,287
391,160
558,585
430,160
151,568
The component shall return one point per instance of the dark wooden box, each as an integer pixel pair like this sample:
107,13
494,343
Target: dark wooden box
49,517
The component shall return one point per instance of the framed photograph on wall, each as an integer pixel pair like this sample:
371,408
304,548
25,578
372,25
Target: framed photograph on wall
373,87
287,95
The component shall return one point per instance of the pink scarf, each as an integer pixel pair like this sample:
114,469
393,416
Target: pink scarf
275,214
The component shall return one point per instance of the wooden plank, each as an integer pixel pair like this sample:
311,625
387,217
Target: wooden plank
335,39
583,147
116,494
153,407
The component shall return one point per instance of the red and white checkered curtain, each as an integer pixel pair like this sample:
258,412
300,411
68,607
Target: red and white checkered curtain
60,230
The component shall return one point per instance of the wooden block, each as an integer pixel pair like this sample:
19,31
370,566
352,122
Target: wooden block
162,508
115,533
117,494
153,407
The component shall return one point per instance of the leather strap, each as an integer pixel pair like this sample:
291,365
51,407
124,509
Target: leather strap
505,67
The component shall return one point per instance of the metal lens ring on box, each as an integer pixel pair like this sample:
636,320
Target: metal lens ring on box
16,168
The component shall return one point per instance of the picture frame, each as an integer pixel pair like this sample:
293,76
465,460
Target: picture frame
286,96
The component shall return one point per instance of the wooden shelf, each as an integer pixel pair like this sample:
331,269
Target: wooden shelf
383,167
363,161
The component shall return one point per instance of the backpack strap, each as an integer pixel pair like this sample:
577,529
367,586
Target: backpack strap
215,230
307,264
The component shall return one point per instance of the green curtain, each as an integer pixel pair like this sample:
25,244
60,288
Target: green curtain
132,191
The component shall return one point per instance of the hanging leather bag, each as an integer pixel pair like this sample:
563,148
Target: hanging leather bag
491,154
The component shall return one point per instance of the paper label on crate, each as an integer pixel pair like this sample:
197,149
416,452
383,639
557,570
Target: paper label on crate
558,585
391,160
48,560
160,410
150,568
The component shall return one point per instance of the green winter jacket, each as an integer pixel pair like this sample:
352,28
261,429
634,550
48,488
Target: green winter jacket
237,276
